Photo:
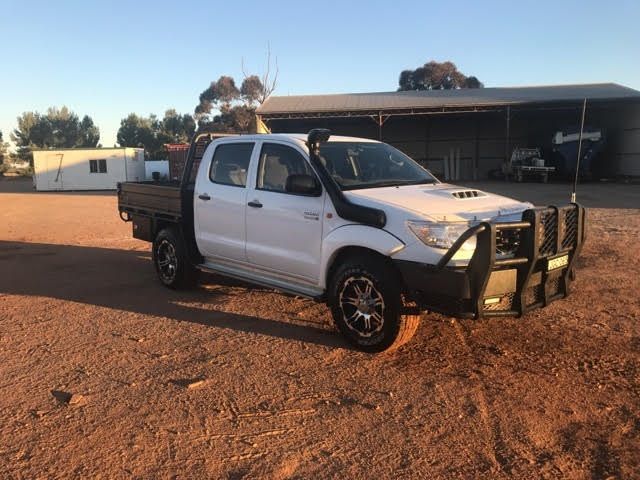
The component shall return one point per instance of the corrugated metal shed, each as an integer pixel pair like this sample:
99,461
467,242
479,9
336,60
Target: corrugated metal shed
431,99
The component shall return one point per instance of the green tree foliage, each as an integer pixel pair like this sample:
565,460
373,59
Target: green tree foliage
152,133
252,90
4,146
472,82
177,128
235,106
89,133
57,128
436,76
136,131
224,107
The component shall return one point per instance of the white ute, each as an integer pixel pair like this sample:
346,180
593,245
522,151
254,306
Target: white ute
357,224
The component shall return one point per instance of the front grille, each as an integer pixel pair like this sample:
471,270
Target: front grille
507,241
553,286
533,295
547,232
570,228
505,304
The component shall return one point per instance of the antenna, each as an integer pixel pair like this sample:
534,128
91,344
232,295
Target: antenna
575,178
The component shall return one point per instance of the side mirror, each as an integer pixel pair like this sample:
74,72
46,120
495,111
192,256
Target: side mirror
303,184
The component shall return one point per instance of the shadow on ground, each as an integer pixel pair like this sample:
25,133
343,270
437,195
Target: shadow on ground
125,280
25,185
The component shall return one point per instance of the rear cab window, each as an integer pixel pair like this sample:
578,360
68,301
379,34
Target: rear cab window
230,164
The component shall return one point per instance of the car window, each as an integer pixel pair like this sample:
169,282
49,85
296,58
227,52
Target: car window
230,164
277,162
371,164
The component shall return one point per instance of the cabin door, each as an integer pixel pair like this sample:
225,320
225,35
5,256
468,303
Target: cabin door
55,171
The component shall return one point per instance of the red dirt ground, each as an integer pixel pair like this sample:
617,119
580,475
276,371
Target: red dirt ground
106,374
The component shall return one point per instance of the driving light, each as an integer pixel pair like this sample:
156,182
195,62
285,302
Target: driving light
441,235
492,300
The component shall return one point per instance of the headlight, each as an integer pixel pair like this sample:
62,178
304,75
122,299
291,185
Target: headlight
441,235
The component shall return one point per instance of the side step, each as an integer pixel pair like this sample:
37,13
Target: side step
314,293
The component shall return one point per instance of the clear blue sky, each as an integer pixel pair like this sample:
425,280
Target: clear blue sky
110,58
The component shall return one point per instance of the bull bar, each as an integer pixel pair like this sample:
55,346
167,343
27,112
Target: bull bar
539,268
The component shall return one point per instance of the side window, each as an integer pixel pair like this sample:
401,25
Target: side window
230,164
98,166
277,162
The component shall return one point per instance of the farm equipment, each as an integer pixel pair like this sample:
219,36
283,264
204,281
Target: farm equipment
565,148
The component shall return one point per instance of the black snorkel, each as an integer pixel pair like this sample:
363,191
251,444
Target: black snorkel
344,208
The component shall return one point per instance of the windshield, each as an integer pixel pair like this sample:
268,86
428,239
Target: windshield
368,165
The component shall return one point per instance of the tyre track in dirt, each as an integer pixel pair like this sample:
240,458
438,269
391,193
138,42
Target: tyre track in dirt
500,452
230,381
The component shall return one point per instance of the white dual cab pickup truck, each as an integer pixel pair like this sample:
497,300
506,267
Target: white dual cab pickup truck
357,224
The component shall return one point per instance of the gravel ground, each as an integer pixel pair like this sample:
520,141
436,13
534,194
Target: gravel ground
106,374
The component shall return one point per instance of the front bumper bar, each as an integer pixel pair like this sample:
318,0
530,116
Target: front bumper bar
534,274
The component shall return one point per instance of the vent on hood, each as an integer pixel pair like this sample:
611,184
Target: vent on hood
468,194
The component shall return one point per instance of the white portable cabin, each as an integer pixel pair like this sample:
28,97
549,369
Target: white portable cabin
87,168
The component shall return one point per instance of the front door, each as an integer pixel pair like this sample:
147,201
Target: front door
220,201
284,230
54,171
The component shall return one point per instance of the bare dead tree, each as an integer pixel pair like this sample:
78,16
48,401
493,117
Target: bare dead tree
268,80
269,84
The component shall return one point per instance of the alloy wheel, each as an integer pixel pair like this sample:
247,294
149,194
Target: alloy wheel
167,261
362,306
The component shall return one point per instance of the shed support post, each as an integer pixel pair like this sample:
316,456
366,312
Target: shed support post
507,140
380,119
476,148
427,136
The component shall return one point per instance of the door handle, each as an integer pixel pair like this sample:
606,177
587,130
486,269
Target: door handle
255,204
204,196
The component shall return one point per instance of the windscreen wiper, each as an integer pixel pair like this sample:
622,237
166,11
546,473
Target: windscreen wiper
396,183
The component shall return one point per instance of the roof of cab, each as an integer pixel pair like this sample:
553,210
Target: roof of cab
300,138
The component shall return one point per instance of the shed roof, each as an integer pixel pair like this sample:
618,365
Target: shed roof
478,97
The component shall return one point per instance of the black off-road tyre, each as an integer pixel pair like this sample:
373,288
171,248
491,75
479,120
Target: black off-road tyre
171,261
386,328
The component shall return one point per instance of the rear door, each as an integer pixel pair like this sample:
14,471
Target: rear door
284,230
220,201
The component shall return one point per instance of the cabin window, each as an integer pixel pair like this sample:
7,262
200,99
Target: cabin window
230,164
277,162
98,166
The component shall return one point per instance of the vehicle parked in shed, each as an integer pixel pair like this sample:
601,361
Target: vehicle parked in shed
357,224
527,163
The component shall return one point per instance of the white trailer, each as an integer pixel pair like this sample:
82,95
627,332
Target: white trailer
160,166
87,168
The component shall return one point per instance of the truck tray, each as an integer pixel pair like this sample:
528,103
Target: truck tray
153,199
